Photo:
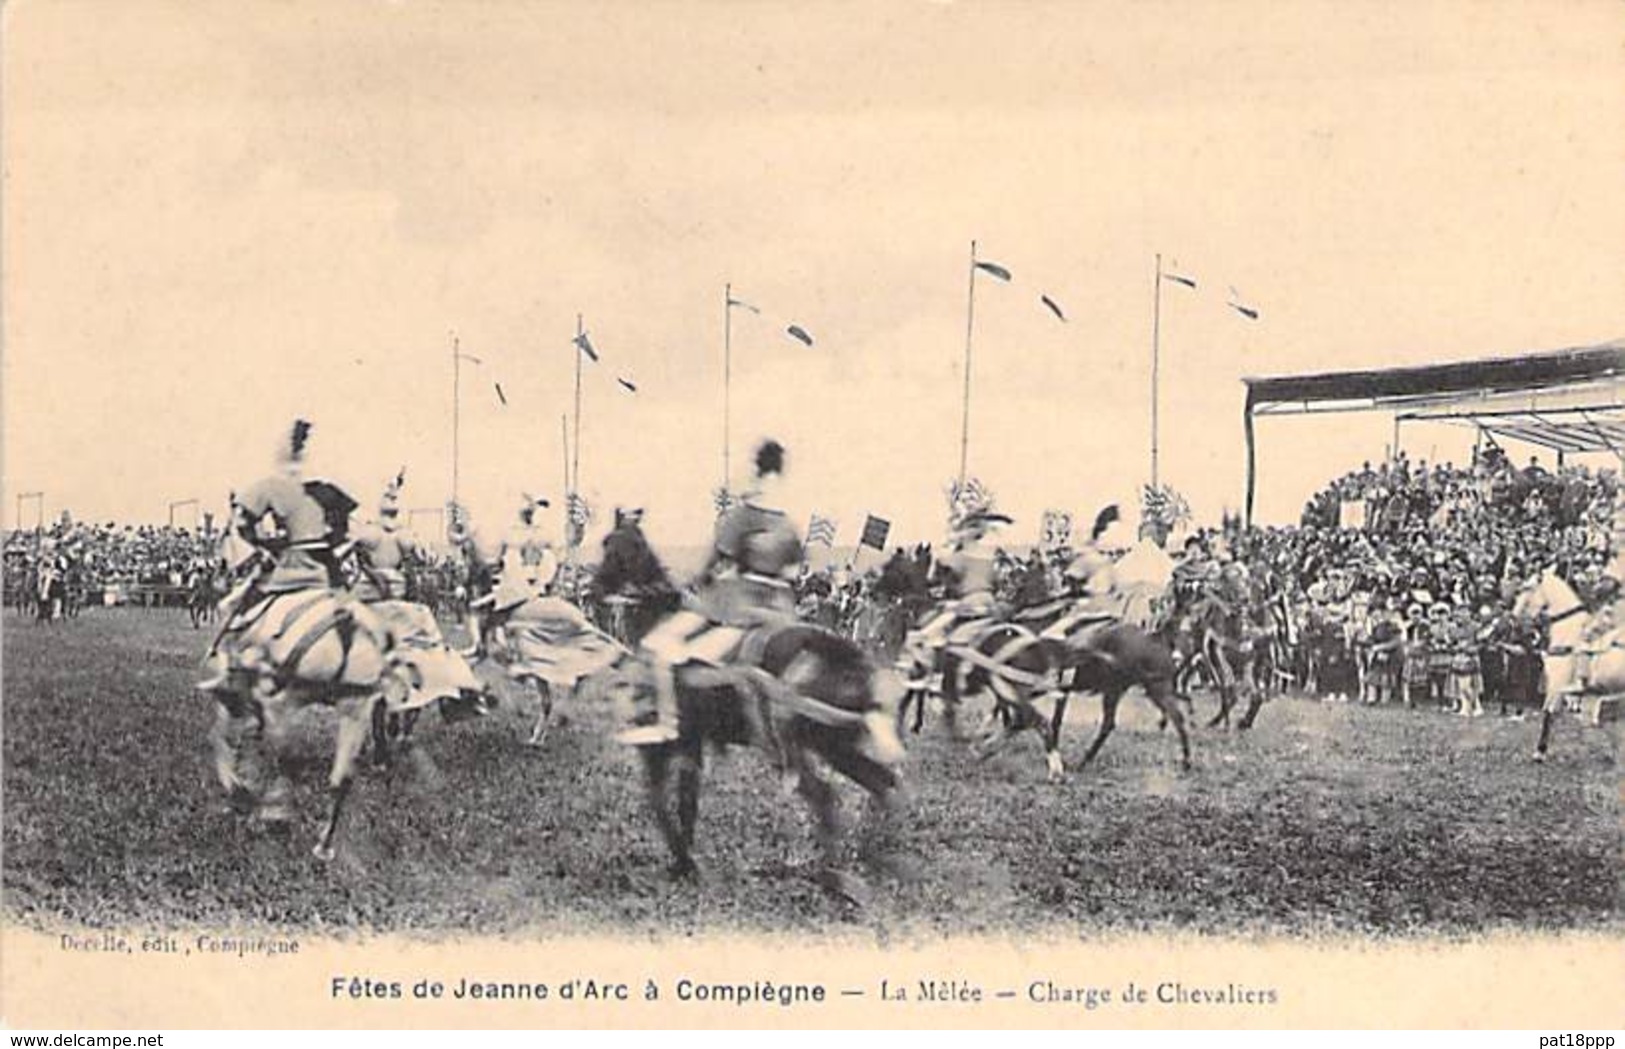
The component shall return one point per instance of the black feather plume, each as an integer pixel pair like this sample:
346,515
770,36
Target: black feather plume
1103,521
298,439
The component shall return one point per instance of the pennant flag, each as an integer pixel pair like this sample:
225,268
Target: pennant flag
500,395
821,530
1236,304
1177,277
742,304
586,346
875,531
798,333
1053,307
995,269
628,385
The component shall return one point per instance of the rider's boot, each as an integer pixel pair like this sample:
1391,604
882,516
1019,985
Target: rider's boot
664,727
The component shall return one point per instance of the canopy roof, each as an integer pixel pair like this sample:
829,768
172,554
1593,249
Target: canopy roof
1570,400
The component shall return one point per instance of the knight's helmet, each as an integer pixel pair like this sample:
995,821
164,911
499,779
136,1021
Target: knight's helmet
389,506
290,455
970,510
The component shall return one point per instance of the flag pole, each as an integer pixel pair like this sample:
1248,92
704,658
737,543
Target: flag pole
970,316
456,411
564,448
569,487
575,449
1156,362
727,381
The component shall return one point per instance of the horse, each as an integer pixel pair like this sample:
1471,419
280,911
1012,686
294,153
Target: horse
316,647
203,595
1232,627
802,691
547,646
1015,663
1549,600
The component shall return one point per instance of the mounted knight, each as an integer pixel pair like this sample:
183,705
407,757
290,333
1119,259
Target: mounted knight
745,584
384,553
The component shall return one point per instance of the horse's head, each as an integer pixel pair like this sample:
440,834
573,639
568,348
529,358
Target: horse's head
1540,595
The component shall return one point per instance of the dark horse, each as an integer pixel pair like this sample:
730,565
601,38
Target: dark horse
1019,668
802,691
809,692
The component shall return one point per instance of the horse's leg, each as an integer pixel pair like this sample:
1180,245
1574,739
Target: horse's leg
950,695
1545,735
355,722
544,716
1255,700
822,799
656,766
1052,738
1224,680
225,742
690,765
1559,673
879,846
275,803
1159,689
1109,698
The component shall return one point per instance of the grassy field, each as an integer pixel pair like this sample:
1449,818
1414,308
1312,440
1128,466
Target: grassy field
1325,818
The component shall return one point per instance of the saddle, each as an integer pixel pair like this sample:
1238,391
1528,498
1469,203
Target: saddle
799,687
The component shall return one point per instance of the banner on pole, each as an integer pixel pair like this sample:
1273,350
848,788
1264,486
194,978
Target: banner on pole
821,530
1057,529
875,531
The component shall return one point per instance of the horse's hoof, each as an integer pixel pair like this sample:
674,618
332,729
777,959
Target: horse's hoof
1538,757
324,852
681,870
848,887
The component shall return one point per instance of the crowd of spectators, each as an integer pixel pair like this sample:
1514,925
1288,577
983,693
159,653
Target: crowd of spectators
108,558
1447,533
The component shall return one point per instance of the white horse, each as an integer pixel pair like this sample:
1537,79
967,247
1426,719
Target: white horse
1584,655
295,650
548,646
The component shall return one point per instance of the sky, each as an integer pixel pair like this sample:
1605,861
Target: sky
216,221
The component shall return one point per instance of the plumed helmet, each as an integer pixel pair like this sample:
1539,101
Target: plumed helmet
291,452
769,458
390,504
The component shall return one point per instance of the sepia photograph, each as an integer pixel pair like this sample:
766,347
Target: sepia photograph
927,513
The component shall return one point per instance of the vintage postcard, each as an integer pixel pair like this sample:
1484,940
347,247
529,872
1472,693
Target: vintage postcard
834,514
